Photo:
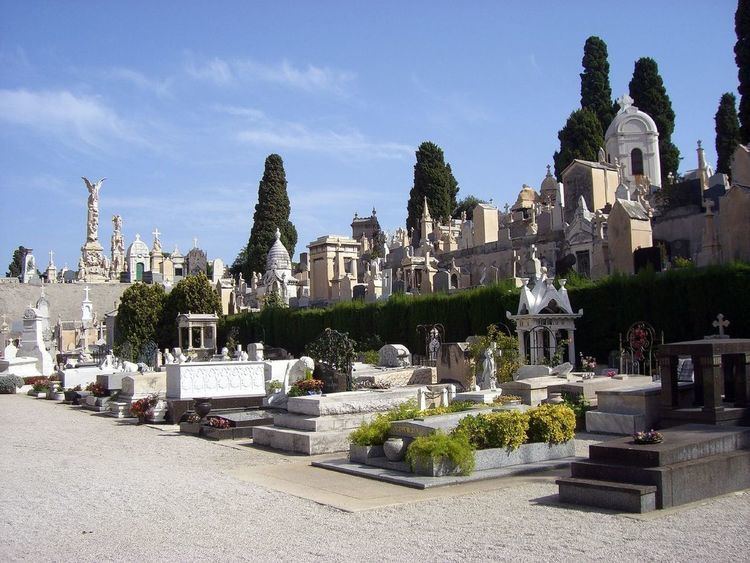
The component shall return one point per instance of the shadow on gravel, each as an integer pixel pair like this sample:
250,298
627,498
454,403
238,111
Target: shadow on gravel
554,502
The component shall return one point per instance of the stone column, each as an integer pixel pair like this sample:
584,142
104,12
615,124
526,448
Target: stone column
712,383
669,396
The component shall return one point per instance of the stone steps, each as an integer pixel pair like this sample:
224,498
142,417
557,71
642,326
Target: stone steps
627,497
301,441
320,423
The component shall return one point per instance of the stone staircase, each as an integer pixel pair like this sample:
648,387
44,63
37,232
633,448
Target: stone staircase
692,463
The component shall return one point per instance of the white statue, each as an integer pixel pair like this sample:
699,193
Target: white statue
488,379
92,223
168,357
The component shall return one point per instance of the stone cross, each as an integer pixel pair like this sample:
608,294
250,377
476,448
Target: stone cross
51,257
624,102
156,233
86,297
195,242
508,206
721,324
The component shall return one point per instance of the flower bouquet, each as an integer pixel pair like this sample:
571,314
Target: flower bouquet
650,437
144,408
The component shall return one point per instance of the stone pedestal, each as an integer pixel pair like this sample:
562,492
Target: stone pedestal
532,391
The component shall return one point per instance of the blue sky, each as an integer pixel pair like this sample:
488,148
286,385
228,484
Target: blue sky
179,103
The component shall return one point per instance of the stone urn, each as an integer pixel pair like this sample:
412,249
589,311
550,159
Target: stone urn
202,406
394,449
555,399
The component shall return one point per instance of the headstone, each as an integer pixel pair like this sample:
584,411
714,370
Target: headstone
255,351
563,370
527,372
394,355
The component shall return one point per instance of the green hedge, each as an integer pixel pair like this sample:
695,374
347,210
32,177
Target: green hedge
681,303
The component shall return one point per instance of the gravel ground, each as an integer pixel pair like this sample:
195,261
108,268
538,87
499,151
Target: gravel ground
90,488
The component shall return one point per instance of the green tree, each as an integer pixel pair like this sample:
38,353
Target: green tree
15,268
138,317
596,93
271,213
649,95
193,294
580,138
467,204
433,179
727,132
239,263
742,58
274,300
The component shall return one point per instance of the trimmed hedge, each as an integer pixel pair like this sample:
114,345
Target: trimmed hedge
680,303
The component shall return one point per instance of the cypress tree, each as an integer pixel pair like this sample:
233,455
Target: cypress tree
271,212
580,138
742,58
649,95
727,132
433,179
15,268
596,93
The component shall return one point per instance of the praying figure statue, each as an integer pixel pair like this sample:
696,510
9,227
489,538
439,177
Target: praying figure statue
92,223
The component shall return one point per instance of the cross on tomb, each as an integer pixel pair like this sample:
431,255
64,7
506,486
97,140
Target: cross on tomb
624,101
156,233
51,256
86,297
195,242
721,324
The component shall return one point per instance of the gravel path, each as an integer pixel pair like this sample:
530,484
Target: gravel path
84,487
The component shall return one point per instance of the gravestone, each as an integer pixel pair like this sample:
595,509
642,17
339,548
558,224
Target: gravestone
394,356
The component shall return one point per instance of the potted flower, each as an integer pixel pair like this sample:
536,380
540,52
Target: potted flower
588,364
307,387
149,409
274,386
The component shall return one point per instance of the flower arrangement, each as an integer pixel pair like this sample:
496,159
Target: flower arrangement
587,362
97,389
144,407
193,418
306,387
41,385
650,437
217,422
274,385
638,342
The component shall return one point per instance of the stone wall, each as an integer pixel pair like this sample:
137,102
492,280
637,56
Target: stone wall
64,299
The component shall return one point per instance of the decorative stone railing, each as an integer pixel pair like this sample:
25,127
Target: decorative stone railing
216,379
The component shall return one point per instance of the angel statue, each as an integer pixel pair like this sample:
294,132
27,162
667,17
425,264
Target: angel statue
92,223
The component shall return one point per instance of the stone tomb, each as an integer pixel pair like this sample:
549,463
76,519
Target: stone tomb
138,386
693,462
216,379
318,424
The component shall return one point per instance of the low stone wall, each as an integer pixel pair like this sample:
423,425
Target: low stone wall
495,458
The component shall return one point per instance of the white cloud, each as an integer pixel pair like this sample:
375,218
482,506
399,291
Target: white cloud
75,119
309,78
159,87
214,70
239,111
288,135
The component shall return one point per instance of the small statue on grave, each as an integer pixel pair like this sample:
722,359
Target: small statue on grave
168,357
488,378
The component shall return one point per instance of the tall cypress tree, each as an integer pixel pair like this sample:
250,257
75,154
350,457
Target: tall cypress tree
649,95
580,138
742,58
433,179
596,93
727,132
271,212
